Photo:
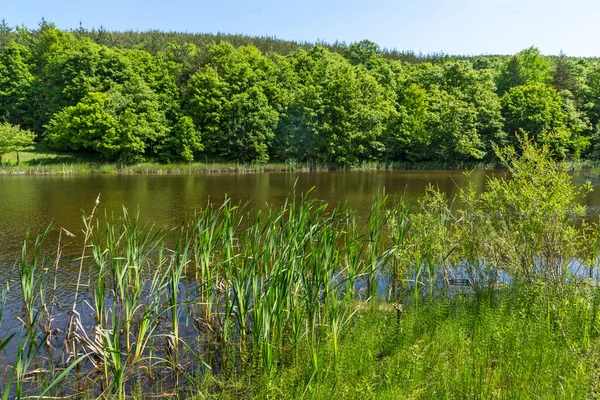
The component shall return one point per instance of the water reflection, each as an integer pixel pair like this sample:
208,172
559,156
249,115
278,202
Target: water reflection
30,203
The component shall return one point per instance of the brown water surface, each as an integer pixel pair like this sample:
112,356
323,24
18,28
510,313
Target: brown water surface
31,203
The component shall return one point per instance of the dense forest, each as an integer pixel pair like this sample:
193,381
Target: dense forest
167,96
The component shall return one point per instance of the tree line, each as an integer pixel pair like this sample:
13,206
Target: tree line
130,96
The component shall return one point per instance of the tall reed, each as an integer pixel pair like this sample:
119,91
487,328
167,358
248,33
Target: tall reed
265,288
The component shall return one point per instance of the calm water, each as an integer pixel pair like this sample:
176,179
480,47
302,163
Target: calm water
30,203
33,202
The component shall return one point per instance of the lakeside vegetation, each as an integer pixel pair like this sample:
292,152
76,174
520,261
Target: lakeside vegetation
43,161
496,298
493,294
159,97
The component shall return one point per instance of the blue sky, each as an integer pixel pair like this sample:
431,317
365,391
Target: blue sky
451,26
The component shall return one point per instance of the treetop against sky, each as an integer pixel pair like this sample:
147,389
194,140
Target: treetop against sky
454,27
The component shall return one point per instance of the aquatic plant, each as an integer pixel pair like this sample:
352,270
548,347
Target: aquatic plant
234,293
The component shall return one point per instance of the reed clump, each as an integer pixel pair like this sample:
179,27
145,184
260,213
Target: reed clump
312,300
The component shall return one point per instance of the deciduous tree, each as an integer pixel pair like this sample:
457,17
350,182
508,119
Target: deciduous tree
537,109
14,139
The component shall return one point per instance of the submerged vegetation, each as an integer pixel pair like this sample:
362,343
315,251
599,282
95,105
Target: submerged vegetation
171,97
491,295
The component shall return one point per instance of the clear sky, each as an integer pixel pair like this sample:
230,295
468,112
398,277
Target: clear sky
451,26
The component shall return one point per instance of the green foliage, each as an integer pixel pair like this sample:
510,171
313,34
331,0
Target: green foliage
590,97
330,104
14,139
185,141
141,122
364,52
565,75
526,67
477,89
234,102
577,124
160,75
409,137
537,110
454,128
121,124
6,34
446,112
83,126
338,112
16,82
369,55
526,224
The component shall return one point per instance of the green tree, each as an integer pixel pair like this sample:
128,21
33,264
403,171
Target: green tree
82,127
16,82
250,128
445,112
124,124
409,137
142,126
6,34
337,114
476,88
526,67
369,55
184,142
537,110
577,124
590,96
160,75
67,69
453,124
48,47
527,223
15,139
234,101
563,77
364,52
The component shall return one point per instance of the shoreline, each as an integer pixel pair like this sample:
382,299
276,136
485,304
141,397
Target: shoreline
92,168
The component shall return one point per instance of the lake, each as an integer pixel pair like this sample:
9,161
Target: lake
31,203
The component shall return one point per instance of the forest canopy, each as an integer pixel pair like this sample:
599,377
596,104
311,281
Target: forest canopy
167,96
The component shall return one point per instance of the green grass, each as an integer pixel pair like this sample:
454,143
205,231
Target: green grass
42,155
275,299
45,161
500,346
283,303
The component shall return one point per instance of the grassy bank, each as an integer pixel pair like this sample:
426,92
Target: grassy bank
519,343
498,298
43,161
